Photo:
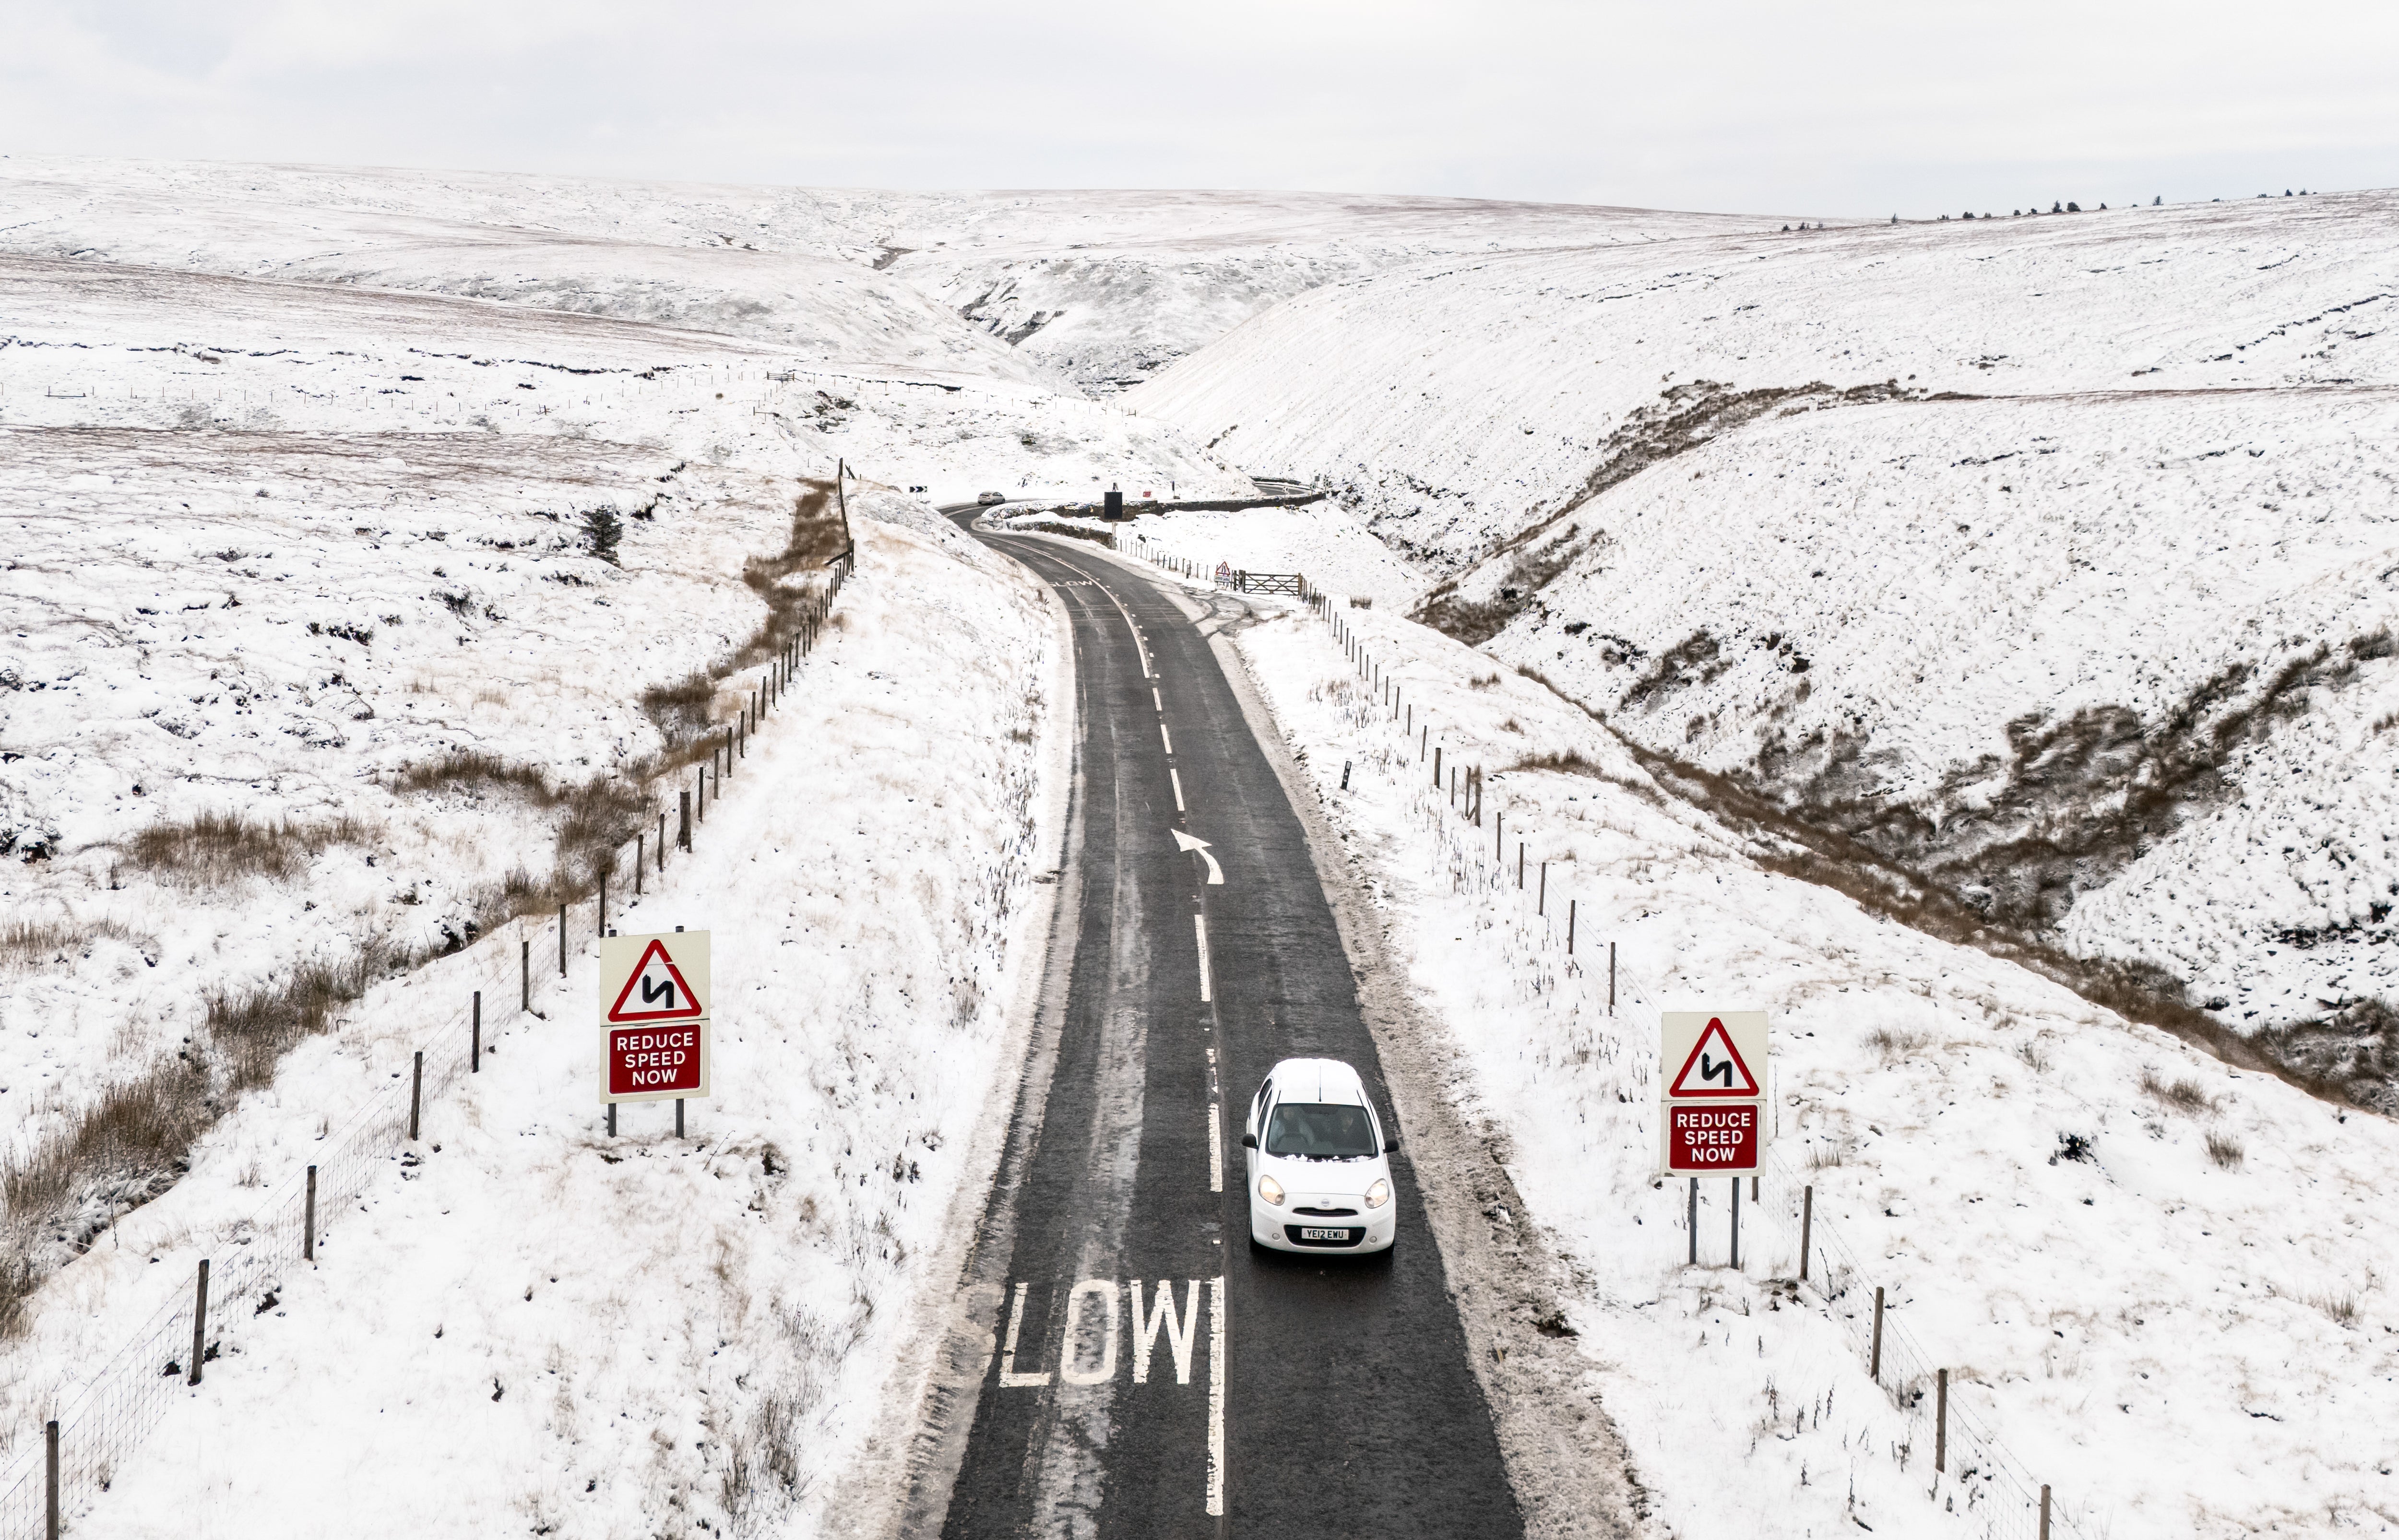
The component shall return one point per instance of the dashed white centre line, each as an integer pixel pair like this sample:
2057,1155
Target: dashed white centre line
1176,777
1163,736
1200,922
1215,1148
1154,698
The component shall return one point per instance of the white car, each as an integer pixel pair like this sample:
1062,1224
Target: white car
1319,1179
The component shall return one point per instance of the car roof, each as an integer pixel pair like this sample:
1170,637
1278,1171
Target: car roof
1326,1080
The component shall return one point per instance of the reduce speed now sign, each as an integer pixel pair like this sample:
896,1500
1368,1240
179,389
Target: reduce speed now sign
653,1017
1711,1079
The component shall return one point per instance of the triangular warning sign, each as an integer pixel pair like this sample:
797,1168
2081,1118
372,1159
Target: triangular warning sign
665,997
1714,1068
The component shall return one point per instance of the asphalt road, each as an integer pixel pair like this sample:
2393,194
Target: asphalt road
1151,1374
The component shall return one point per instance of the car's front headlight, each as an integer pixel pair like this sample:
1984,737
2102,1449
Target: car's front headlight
1379,1193
1271,1190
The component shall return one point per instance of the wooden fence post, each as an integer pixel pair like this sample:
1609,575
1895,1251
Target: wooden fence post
1874,1364
308,1239
475,1043
683,828
200,1320
415,1093
602,927
1806,1222
51,1462
524,974
1941,1420
2044,1510
638,853
1611,987
561,940
1570,924
1519,866
1694,1226
1436,760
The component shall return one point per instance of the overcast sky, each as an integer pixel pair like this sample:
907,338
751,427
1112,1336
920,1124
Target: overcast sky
1831,107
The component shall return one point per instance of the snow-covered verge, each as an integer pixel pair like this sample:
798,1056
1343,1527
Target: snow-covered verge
638,1336
2182,1335
1458,403
1100,288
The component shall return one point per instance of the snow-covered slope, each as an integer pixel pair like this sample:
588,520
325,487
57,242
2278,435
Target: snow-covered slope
1457,403
2047,556
1099,287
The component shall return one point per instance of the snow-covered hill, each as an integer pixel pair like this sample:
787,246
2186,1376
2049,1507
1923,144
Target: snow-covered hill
1458,403
1098,287
2046,556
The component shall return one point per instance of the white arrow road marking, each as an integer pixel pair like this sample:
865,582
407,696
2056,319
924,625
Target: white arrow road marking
1200,922
1187,841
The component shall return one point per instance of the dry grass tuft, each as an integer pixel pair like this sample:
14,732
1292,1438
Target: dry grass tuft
2341,1308
1893,1046
221,847
2225,1150
254,1027
22,941
2185,1095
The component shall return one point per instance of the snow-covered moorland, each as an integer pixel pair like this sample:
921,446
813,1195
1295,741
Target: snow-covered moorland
2182,1334
1100,287
346,621
2044,557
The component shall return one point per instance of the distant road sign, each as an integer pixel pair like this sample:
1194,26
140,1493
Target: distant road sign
653,1017
1712,1069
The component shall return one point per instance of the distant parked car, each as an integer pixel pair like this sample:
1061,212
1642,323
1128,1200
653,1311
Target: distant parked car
988,498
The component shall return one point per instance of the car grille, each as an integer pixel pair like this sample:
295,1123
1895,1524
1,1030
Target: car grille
1325,1213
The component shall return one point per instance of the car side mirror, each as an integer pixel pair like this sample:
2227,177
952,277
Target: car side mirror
1390,1145
1249,1141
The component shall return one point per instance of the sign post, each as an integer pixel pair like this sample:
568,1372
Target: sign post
654,1019
1712,1071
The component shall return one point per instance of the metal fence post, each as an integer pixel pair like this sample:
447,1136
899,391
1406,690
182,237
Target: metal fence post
308,1236
200,1320
415,1093
1874,1364
1736,1223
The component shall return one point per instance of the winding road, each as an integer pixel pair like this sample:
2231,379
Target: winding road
1144,1371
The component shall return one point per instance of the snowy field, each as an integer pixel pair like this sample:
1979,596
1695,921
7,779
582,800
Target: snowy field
1100,287
2184,1335
1327,546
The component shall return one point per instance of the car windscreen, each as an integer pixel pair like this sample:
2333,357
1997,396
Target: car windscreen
1321,1131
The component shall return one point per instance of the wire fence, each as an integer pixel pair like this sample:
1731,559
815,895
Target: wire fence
100,1423
1969,1471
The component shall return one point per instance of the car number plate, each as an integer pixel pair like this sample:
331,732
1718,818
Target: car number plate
1319,1233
